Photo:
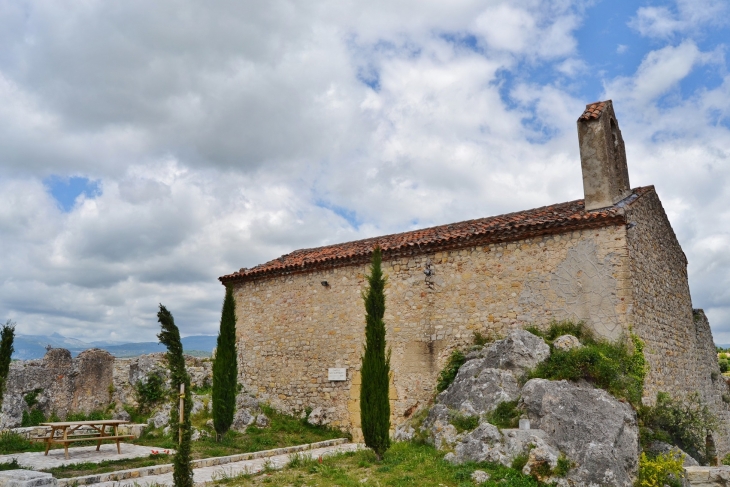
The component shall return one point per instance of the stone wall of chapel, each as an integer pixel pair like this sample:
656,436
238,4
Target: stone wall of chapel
291,329
678,343
662,313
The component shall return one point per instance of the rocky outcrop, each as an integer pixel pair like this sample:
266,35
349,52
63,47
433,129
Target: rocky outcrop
58,384
478,389
519,352
596,431
248,412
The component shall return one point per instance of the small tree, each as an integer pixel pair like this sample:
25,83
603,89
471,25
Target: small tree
170,337
225,368
7,335
375,370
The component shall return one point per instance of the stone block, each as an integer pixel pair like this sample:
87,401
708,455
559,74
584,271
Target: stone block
26,478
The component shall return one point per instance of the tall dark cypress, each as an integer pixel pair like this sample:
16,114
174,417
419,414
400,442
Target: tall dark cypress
170,337
375,370
225,368
7,335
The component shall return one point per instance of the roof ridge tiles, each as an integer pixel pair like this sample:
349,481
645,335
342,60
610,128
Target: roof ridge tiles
566,216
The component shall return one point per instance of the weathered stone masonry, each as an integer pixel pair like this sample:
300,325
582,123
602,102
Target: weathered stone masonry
618,267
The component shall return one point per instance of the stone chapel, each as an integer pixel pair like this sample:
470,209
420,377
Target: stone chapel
611,260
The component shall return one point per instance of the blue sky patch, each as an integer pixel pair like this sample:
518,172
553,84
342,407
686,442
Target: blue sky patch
66,190
346,213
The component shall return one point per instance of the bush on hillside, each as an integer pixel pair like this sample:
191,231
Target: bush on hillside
618,367
681,422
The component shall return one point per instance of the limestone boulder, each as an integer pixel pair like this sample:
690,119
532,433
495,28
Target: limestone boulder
200,403
404,432
519,352
247,412
660,447
262,421
478,388
161,418
122,414
596,431
242,419
480,445
438,429
565,343
321,416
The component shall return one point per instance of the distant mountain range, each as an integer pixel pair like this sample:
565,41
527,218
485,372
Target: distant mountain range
29,347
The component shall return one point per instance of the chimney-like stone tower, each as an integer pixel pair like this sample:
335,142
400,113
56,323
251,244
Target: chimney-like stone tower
602,157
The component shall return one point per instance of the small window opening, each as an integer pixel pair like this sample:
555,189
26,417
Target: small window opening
614,134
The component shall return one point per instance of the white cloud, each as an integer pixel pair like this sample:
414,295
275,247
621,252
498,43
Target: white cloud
226,135
687,16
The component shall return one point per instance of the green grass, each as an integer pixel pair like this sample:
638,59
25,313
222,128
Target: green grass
11,465
404,464
88,468
618,367
505,415
284,430
14,443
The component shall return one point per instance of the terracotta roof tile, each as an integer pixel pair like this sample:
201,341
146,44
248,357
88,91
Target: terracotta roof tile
594,110
559,218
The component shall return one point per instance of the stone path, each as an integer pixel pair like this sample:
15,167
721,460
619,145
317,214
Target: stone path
208,475
80,454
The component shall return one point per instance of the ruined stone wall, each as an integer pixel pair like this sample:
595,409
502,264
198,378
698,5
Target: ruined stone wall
291,329
92,381
128,371
712,385
678,345
63,385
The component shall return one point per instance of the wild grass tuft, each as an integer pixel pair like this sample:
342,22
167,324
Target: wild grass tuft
505,415
618,367
448,374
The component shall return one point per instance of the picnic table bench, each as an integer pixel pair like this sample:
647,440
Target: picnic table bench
67,428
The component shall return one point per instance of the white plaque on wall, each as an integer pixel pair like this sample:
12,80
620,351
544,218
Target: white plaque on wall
337,374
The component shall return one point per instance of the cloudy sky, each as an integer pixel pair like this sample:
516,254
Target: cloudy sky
147,148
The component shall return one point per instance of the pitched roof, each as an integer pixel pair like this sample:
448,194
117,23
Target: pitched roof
594,110
559,218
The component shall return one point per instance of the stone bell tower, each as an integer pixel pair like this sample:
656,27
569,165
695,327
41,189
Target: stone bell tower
602,157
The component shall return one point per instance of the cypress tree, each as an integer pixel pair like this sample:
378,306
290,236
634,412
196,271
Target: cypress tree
225,368
375,370
7,335
170,337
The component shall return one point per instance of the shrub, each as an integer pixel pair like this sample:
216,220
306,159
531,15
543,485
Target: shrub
664,469
560,328
32,418
563,467
31,399
448,374
11,442
463,422
505,415
375,369
685,422
150,390
519,461
724,365
617,367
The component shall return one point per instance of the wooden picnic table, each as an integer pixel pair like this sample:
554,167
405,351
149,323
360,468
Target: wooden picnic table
69,427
